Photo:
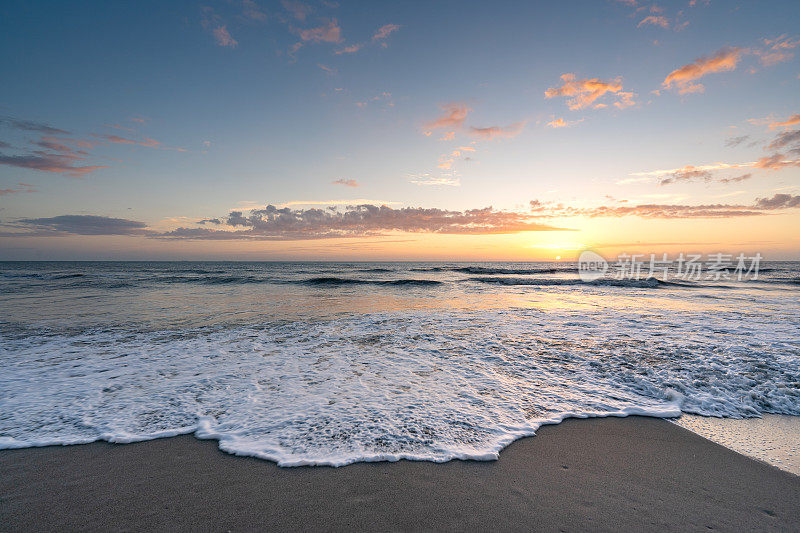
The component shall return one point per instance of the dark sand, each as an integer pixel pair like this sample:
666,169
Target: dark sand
601,474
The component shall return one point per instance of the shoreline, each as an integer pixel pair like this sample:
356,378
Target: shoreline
599,473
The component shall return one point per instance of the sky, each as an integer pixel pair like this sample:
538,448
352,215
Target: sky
335,130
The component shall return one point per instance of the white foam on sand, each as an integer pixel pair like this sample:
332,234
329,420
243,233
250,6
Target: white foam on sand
774,439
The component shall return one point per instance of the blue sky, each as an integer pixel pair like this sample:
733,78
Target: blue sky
180,112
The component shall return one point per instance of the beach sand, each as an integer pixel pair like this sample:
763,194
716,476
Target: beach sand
600,474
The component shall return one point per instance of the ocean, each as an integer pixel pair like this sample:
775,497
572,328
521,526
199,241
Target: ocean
335,363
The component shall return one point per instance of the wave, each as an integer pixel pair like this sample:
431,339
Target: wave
488,270
649,283
357,281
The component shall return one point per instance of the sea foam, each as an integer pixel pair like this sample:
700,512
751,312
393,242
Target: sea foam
386,386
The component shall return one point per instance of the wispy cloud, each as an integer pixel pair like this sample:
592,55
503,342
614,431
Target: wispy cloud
329,32
19,188
497,132
736,141
345,182
212,23
30,125
298,10
350,49
777,50
251,10
453,117
47,162
146,141
427,180
86,225
385,31
561,123
223,37
684,78
791,121
761,206
585,92
654,20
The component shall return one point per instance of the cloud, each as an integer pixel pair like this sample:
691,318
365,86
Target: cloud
378,37
330,32
779,201
736,141
454,116
20,188
150,143
351,49
215,221
329,70
252,11
426,180
777,50
687,173
669,211
272,223
46,162
212,23
776,162
736,179
583,93
788,139
791,121
298,10
224,38
384,32
496,132
346,183
561,123
55,144
625,100
715,166
86,225
655,21
29,125
683,78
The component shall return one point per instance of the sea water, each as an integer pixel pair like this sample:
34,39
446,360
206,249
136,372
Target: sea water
334,363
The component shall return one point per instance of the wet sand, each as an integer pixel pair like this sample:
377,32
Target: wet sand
601,474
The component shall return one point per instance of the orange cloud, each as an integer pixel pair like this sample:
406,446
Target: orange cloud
775,162
777,51
346,183
655,21
791,121
625,100
384,31
352,49
495,132
684,77
42,161
327,33
561,123
583,92
454,116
